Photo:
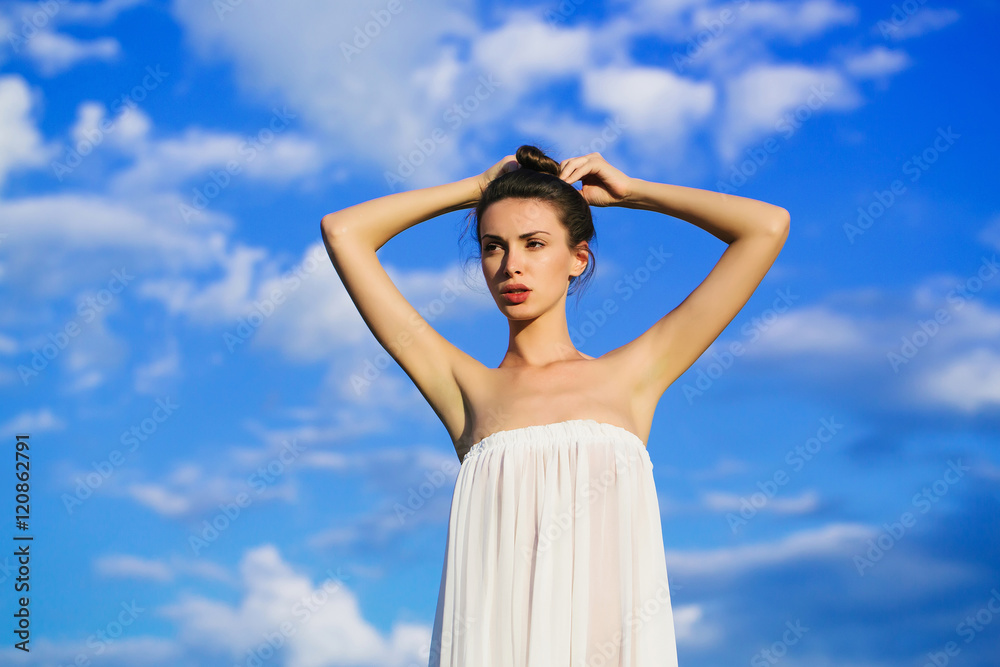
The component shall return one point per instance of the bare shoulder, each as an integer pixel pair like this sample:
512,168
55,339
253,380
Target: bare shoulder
628,369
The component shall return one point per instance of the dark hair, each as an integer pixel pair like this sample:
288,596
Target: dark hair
538,179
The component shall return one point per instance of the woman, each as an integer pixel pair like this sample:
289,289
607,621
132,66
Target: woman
555,550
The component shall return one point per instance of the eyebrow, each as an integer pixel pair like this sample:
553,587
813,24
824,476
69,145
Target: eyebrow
522,236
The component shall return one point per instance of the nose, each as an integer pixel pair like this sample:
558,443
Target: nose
511,263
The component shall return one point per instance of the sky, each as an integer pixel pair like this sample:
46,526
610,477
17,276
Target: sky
215,451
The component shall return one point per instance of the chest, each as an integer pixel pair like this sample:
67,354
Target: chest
514,399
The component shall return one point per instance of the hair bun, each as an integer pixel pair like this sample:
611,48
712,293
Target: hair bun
532,157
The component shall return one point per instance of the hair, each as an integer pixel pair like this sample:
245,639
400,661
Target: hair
538,179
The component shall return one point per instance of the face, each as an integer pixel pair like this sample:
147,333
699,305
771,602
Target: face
523,241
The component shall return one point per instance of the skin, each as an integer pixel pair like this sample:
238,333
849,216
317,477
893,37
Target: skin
543,378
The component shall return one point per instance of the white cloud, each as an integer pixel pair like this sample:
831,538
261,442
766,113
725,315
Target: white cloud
127,132
127,566
223,301
29,422
804,503
54,53
901,25
691,628
268,155
758,98
650,100
525,50
990,234
7,345
970,382
191,489
62,241
316,317
724,467
88,118
122,652
793,21
93,13
564,136
151,376
832,540
877,62
352,97
325,620
83,346
133,567
810,329
21,143
398,473
429,72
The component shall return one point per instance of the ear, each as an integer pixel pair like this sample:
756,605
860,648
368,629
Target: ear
582,258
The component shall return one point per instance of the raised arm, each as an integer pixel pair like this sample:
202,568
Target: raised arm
353,235
755,232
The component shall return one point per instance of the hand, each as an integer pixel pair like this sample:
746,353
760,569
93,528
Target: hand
505,165
603,185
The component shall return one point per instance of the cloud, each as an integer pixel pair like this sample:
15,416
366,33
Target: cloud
29,422
66,240
805,503
54,53
416,485
969,382
650,100
151,377
758,99
692,628
94,13
990,234
215,158
304,311
348,97
133,567
126,132
21,144
902,26
221,301
724,467
832,540
126,566
440,90
796,22
190,490
809,330
317,625
524,51
877,62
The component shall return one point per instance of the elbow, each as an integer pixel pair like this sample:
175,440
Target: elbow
332,228
780,223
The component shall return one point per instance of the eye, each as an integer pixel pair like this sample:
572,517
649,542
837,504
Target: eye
490,246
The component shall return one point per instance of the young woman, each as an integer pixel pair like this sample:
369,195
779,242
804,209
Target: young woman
555,549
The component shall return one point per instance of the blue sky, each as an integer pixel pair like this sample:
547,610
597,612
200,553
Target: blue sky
181,353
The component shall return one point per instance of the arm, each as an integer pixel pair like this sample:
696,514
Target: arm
373,223
353,235
755,232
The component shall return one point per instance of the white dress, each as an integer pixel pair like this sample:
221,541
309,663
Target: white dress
555,554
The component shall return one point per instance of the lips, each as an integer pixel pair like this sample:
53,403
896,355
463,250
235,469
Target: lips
516,293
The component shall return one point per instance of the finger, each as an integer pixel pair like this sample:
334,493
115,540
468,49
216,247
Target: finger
568,162
579,168
570,168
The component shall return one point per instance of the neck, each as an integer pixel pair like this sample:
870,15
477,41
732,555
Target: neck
541,341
